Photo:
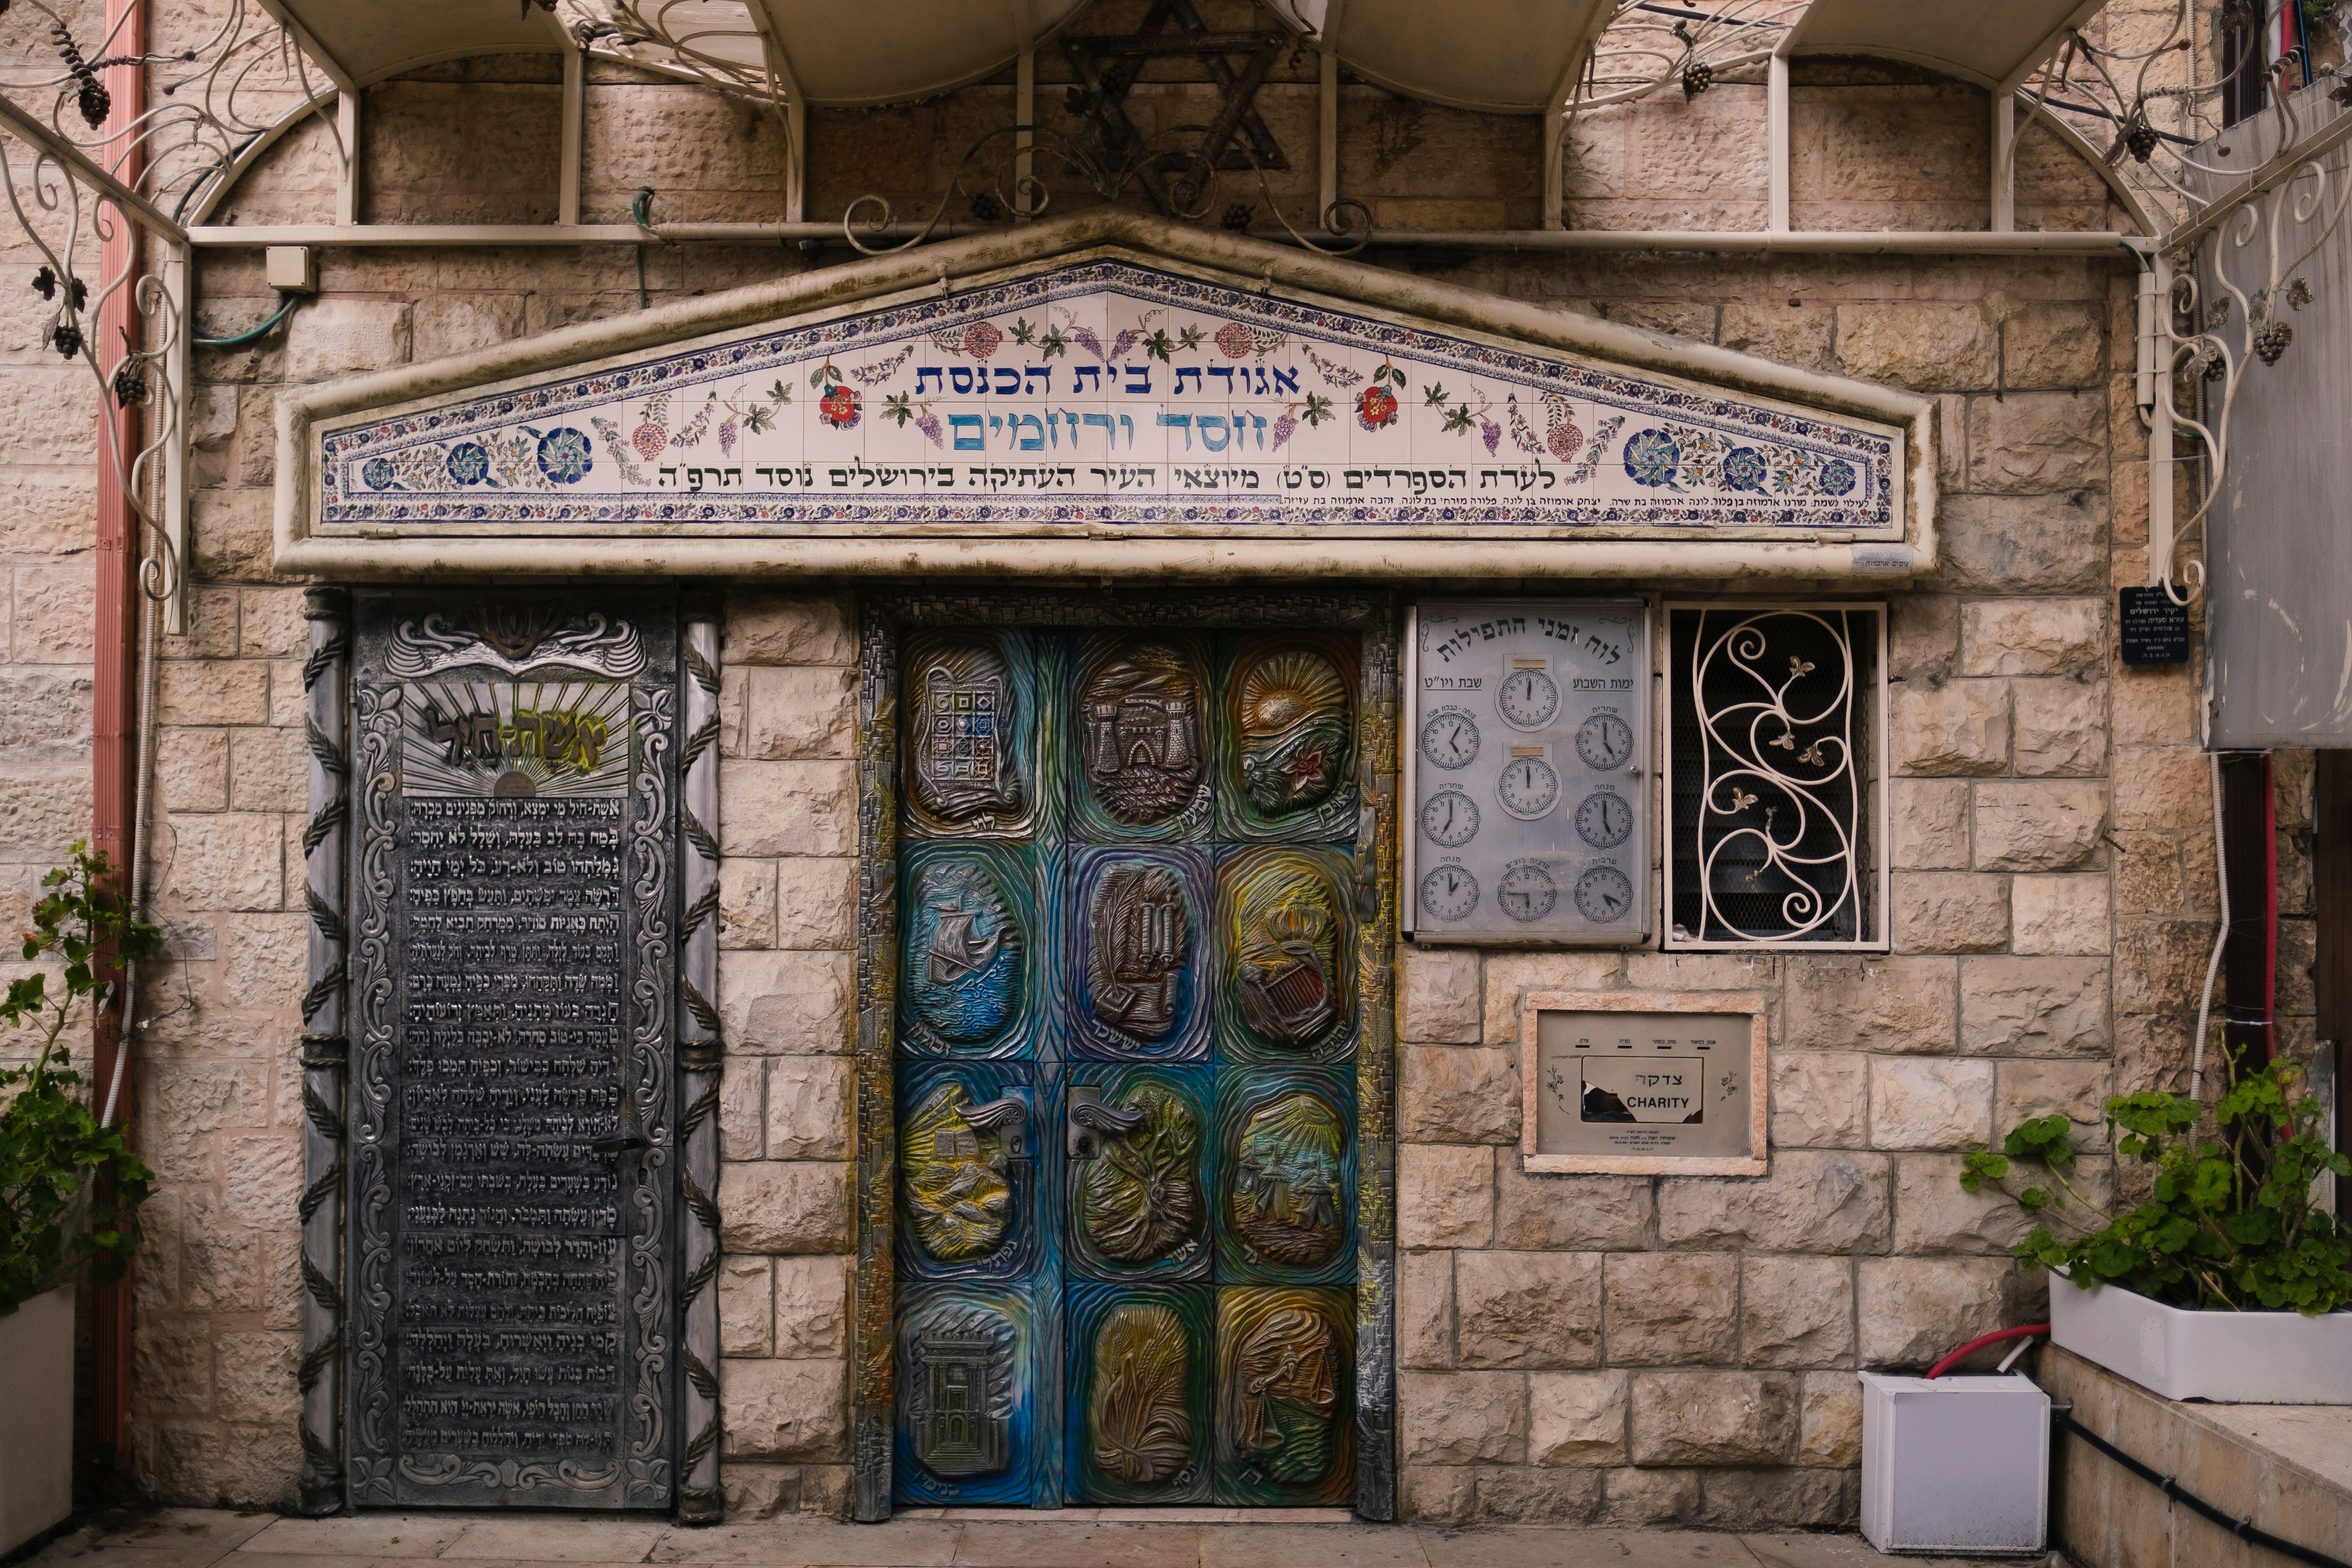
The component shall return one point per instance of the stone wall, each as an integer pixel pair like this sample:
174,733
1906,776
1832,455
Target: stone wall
1570,1348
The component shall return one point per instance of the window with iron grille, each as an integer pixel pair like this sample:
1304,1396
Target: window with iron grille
1775,776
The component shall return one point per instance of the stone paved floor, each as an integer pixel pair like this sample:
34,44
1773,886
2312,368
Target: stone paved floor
196,1537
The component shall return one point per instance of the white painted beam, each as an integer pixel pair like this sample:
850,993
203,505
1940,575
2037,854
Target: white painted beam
350,191
575,136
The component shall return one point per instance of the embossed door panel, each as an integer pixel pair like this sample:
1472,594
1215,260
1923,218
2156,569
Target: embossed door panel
513,1330
1127,1026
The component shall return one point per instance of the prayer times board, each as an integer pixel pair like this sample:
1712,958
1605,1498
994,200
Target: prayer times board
1528,787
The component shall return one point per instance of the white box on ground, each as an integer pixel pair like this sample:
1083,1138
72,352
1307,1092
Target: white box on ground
2229,1358
36,1368
1955,1464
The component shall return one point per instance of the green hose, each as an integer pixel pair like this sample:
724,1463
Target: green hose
241,338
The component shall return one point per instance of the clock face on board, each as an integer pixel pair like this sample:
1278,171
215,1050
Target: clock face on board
1528,699
1529,787
1450,740
1603,895
1604,740
1527,892
1450,817
1448,893
1604,820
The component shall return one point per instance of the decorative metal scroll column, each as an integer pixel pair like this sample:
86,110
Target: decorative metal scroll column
1376,896
326,1049
872,1415
701,1060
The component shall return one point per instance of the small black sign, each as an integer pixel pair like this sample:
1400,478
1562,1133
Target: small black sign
2154,629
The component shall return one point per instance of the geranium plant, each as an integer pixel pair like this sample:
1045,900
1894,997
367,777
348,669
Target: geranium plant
58,1212
2228,1224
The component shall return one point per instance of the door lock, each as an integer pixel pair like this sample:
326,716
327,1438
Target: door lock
1088,1117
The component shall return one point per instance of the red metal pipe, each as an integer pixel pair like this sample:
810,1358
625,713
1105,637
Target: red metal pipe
2024,1332
114,743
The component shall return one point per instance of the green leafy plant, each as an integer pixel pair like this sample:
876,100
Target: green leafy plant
2228,1224
69,1189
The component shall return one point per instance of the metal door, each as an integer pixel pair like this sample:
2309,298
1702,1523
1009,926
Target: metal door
1126,1036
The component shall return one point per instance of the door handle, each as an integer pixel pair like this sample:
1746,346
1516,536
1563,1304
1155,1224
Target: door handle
1087,1116
621,1145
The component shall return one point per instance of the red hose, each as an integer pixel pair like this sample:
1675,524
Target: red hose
2027,1332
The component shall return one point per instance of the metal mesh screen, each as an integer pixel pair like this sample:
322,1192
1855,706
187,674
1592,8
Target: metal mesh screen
1769,723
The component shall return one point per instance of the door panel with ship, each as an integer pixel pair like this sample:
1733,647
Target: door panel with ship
1128,1028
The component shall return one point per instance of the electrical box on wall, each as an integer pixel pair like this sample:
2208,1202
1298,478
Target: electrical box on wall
1529,800
1643,1083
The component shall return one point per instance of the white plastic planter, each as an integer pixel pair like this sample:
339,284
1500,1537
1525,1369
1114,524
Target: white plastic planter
37,1371
2229,1358
1955,1464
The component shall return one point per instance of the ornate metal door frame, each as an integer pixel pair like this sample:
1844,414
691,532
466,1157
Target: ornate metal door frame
671,1057
1371,616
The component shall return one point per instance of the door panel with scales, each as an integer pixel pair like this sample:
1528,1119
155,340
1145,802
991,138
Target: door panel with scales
1127,1037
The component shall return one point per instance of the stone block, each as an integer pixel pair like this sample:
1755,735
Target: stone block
1935,1215
1813,1201
783,1409
1930,1102
2061,727
2060,916
2160,964
747,902
2052,343
816,902
45,715
1929,824
1821,1100
447,324
743,1109
334,336
192,769
1850,1003
212,626
1445,1194
289,706
2032,636
1912,1310
747,1307
1463,1417
1950,911
1800,337
1424,1317
776,627
1795,1312
1511,975
2025,544
1439,1494
262,1175
759,1491
1744,972
1576,1417
812,1306
2034,1007
1778,1500
788,808
792,712
270,624
172,1357
786,1003
50,618
1923,346
2038,442
1437,995
1638,1497
1509,1495
776,1205
264,961
1961,727
269,770
1673,1309
1569,1213
227,861
1830,1431
2155,705
1714,1417
2162,788
809,1108
1923,638
1459,1094
1526,1308
213,692
2075,1090
2038,825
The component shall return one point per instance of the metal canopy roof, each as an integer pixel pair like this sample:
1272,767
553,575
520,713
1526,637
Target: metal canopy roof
1988,42
1501,56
